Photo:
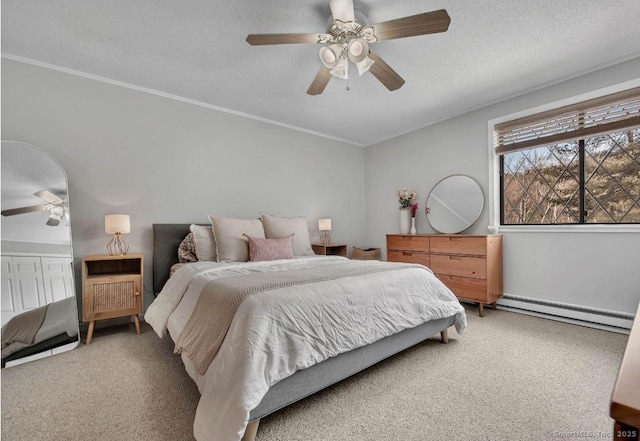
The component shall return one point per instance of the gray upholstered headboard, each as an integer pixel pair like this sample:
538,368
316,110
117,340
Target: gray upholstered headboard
166,239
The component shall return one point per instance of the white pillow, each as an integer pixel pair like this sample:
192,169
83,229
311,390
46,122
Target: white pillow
205,243
279,227
231,244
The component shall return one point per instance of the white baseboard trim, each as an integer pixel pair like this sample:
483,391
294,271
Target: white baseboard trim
614,321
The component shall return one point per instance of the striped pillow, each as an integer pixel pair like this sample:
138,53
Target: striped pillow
270,249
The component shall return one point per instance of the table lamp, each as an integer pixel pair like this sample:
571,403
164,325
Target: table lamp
324,225
117,224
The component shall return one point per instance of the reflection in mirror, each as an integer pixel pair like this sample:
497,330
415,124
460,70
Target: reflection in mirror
39,312
454,204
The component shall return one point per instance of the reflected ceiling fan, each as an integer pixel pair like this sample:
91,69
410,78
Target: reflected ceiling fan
57,207
348,39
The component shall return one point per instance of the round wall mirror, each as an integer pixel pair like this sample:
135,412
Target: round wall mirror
454,204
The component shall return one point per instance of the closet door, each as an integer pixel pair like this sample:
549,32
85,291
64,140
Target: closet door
57,276
8,296
28,283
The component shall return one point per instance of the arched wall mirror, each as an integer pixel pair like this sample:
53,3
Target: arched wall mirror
39,311
454,204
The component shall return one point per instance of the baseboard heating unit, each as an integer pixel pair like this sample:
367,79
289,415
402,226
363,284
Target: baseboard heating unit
565,312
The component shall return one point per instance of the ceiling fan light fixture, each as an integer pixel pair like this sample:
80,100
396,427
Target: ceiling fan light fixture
357,49
341,69
364,65
329,55
55,214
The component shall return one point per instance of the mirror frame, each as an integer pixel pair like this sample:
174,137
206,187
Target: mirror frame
468,222
57,343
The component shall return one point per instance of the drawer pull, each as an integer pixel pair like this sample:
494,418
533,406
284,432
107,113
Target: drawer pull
137,293
455,258
407,253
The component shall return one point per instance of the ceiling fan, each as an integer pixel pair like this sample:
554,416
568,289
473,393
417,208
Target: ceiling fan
348,38
57,207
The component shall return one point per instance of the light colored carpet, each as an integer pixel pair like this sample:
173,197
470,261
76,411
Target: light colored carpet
510,377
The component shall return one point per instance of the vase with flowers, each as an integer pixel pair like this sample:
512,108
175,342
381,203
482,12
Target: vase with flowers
413,208
405,199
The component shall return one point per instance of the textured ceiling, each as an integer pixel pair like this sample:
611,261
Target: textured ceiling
493,50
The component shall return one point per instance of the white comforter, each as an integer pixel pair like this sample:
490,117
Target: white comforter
278,332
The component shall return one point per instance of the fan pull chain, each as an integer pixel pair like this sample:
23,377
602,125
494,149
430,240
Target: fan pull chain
348,87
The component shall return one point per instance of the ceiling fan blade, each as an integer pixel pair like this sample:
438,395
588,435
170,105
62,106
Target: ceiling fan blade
264,39
22,210
420,24
384,73
320,81
342,10
46,195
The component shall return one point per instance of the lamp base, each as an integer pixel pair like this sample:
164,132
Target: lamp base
117,246
325,237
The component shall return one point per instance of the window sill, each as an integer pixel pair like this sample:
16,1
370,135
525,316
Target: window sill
599,228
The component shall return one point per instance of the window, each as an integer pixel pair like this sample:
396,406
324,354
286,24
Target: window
579,164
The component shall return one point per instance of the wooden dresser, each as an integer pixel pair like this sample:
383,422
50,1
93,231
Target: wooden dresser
469,264
625,399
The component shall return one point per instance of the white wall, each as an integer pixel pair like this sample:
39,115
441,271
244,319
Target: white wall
162,161
600,270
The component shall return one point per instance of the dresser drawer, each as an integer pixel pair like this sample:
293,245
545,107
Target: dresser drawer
408,257
465,288
456,265
408,243
459,245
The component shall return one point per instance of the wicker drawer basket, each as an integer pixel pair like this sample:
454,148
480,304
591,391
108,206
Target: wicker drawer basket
368,254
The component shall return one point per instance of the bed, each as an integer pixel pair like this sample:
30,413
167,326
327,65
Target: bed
40,329
221,414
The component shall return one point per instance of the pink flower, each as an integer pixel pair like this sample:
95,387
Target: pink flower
414,208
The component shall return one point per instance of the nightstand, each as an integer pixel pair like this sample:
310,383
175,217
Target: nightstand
112,286
330,249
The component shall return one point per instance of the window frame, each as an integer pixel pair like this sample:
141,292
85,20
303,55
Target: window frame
495,194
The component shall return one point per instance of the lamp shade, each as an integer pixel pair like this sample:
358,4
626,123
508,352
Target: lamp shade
341,69
357,49
329,55
117,223
364,65
324,224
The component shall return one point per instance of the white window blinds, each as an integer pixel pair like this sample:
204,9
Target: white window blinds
597,116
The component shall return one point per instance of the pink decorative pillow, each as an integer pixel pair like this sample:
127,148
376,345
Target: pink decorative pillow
269,249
